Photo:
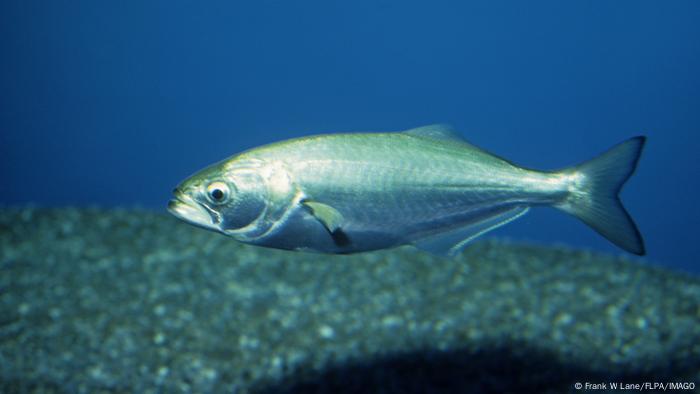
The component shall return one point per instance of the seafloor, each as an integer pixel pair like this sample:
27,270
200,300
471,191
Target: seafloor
111,301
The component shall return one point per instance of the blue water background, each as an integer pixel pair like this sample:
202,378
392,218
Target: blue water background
113,103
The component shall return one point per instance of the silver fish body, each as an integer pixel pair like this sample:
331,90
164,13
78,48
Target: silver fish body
346,193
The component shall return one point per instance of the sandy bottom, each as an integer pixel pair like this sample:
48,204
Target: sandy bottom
107,301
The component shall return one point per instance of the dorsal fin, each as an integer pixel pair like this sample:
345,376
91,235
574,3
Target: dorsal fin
442,132
447,135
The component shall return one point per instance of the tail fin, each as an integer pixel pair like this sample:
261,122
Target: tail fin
594,198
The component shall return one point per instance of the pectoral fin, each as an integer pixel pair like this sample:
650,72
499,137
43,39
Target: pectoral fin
326,214
451,242
331,219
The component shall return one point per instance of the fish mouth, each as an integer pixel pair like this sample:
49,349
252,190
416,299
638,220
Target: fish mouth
186,208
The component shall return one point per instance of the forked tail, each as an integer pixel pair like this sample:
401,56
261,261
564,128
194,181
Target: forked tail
594,196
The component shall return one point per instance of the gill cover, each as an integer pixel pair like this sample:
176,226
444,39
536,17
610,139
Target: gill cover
264,195
246,202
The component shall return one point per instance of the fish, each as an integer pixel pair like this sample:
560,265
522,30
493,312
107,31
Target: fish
427,187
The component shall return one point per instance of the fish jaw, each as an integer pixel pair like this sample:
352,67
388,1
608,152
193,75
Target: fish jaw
186,208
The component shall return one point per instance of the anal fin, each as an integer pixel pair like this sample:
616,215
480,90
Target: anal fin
451,242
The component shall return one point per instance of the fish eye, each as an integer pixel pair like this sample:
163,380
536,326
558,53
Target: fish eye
218,192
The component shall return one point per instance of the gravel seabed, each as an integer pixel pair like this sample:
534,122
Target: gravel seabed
127,300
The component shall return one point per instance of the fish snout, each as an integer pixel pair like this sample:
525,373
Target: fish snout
186,208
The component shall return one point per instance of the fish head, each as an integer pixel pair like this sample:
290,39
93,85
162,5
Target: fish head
227,197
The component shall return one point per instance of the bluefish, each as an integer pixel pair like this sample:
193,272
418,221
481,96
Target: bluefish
428,187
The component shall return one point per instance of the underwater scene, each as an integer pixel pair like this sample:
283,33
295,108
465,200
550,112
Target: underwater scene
349,197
